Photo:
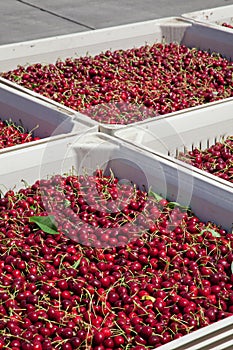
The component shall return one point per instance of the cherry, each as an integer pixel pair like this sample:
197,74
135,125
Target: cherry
213,159
228,25
118,340
98,338
146,332
12,134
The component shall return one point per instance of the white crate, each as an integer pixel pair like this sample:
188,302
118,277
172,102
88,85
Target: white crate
216,336
215,16
92,150
52,121
199,128
87,152
170,29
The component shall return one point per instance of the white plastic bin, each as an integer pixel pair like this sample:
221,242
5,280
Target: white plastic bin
199,128
216,336
49,121
85,153
214,16
171,29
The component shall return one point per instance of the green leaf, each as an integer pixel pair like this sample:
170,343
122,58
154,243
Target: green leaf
172,205
232,267
214,233
76,264
155,195
45,223
67,203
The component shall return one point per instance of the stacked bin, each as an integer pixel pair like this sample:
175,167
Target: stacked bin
217,17
49,122
165,30
172,136
142,153
170,180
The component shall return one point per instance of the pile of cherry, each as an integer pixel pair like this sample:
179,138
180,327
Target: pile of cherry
126,86
134,272
228,25
12,134
216,159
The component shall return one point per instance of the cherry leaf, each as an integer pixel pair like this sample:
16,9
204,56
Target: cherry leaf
213,232
45,223
173,205
232,267
76,264
155,195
